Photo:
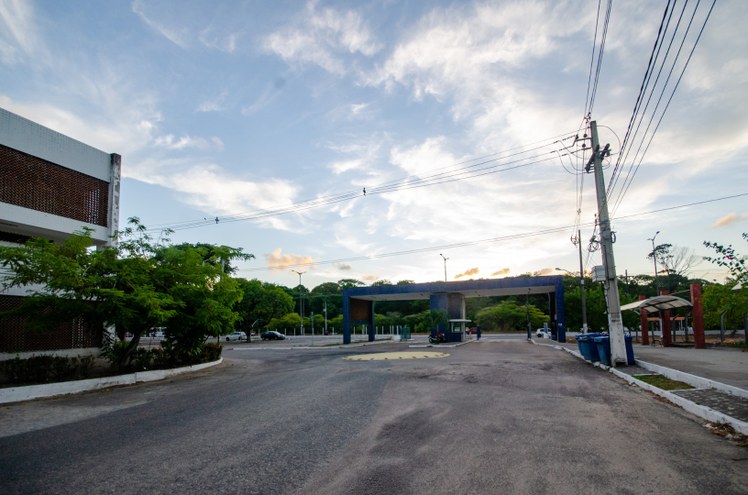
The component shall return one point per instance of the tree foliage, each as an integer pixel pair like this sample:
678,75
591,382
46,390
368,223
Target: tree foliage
510,316
132,285
728,257
261,302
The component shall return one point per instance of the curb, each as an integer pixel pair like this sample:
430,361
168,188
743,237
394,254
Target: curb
20,394
703,412
693,380
698,410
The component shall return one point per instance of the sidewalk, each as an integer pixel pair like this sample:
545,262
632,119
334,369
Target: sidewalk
719,378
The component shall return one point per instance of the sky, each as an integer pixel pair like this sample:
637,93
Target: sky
394,140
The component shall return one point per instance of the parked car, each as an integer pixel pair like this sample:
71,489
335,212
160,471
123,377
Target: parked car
236,336
272,335
543,333
472,331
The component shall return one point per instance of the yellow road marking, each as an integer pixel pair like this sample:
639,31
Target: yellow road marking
393,356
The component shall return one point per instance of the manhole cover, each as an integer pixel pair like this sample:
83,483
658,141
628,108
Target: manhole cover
394,356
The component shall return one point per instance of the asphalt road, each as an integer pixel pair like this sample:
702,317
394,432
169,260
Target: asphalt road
492,417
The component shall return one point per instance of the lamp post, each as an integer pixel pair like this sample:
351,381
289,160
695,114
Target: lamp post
301,302
654,260
445,266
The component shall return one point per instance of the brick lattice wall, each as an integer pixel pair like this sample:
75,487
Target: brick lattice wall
31,182
15,336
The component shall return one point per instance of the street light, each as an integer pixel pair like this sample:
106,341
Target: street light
584,297
445,266
654,260
301,302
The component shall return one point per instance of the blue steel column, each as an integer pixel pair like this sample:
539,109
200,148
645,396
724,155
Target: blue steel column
372,328
440,302
560,312
346,319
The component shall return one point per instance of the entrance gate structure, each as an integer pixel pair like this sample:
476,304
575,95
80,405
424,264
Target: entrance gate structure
358,302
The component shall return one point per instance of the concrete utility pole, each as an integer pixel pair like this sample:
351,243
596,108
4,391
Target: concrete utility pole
615,322
654,260
581,283
301,302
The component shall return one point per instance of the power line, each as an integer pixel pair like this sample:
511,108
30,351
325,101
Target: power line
664,22
631,175
638,115
521,235
510,159
601,50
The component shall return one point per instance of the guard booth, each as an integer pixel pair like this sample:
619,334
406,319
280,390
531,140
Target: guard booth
457,330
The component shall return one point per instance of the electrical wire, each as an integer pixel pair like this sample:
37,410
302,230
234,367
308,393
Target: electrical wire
641,115
600,54
512,159
642,89
510,237
631,175
642,141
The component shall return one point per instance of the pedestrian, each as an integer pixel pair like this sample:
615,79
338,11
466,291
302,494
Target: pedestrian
477,332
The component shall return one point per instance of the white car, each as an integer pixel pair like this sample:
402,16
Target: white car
236,336
542,333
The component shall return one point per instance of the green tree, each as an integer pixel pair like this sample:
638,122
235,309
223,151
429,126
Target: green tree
328,294
510,316
285,323
197,278
261,302
728,257
133,285
429,321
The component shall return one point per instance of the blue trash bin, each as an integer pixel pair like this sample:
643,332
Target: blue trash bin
587,347
603,349
629,350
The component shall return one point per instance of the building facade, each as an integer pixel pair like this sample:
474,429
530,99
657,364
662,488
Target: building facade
51,186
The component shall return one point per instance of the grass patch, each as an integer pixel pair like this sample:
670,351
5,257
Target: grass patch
662,382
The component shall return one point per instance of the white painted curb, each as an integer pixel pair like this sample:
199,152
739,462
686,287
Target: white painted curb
703,412
693,380
18,394
698,410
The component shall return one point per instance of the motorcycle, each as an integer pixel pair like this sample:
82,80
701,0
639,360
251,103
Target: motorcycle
438,338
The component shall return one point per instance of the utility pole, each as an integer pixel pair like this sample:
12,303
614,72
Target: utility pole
445,266
654,260
325,310
581,283
615,322
301,302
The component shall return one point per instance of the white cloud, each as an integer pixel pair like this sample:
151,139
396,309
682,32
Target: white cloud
323,37
218,40
730,219
171,142
175,35
208,187
279,261
18,36
215,104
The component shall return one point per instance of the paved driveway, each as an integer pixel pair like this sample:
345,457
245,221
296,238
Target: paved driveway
491,417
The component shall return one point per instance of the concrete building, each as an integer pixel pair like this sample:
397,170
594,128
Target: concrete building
51,186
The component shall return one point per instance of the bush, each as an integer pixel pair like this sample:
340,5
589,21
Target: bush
174,356
211,352
46,369
50,369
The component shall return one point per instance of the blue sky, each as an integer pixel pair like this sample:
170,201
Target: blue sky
275,116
